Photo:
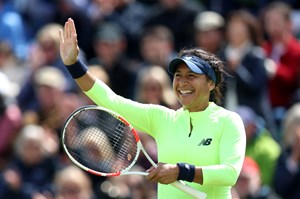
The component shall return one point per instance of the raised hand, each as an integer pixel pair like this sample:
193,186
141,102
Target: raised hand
69,49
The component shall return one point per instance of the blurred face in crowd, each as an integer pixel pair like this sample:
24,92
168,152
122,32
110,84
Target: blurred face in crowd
191,89
155,50
49,50
31,152
236,32
275,25
209,40
48,96
72,183
152,91
108,51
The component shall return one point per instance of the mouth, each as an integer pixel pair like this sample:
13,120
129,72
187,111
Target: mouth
185,92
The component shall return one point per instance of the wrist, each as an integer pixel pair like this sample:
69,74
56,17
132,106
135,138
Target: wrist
186,172
78,69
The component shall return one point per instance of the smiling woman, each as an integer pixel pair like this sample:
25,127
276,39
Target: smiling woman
201,143
196,68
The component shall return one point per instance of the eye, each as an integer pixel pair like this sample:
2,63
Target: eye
191,75
177,75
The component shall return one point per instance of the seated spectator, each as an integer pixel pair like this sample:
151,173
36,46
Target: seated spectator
10,120
260,144
109,45
157,46
54,104
287,172
154,86
178,16
248,185
209,31
11,66
32,170
73,183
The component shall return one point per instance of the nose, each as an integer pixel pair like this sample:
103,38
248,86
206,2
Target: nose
182,81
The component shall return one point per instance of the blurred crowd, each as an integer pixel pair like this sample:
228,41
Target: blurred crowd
128,44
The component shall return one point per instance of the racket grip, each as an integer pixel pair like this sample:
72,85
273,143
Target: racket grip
189,190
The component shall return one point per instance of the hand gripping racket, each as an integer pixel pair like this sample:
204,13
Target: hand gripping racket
103,143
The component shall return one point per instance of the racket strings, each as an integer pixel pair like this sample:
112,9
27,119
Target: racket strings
100,141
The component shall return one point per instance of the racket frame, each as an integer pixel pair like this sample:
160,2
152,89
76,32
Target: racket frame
178,184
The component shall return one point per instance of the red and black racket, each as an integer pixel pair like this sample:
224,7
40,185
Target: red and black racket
103,143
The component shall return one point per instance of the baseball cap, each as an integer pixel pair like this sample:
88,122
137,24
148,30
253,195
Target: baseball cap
109,32
208,20
50,76
196,64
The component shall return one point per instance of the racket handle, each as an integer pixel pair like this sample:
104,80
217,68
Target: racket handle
189,190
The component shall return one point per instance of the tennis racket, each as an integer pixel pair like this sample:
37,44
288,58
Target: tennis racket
103,143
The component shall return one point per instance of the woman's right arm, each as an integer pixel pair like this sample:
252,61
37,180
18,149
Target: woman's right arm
69,51
136,113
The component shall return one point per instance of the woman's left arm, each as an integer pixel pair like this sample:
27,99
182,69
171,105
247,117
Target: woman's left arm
231,152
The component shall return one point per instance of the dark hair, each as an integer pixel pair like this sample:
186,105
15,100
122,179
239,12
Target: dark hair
159,32
283,8
251,22
216,64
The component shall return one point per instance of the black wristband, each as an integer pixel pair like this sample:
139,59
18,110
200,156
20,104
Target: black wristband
78,69
186,172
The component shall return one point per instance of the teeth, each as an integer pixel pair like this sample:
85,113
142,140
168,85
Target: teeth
185,91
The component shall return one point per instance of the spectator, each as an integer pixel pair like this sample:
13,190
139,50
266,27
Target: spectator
109,46
287,173
55,105
10,120
247,83
209,33
72,182
157,46
11,66
260,145
43,53
153,86
248,185
32,170
36,14
283,49
178,16
77,10
131,15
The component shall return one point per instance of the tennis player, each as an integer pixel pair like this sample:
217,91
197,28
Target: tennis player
200,143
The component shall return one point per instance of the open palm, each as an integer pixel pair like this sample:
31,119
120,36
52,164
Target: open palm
69,49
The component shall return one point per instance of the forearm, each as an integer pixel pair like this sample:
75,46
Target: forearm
79,72
198,175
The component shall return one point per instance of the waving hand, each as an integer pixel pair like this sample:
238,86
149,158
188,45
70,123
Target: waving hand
69,49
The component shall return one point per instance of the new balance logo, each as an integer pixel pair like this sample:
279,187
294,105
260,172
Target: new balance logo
205,142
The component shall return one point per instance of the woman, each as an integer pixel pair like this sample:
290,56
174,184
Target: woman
201,143
245,62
